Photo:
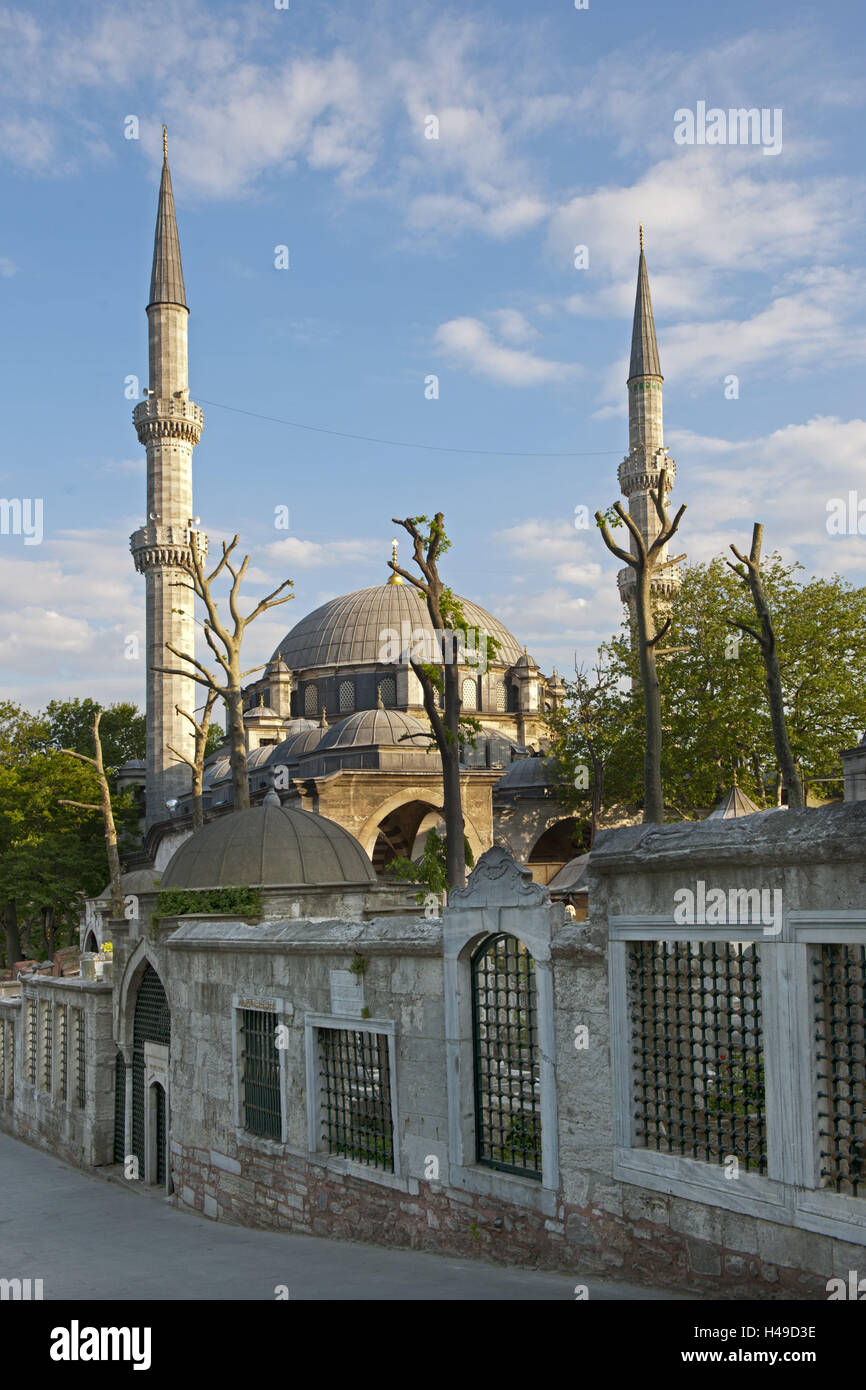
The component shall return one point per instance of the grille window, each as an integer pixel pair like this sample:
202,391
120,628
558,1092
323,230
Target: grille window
505,1040
62,1053
31,1041
152,1023
347,697
7,1059
696,1042
388,691
469,693
45,1077
311,701
80,1089
841,1034
260,1076
499,698
355,1096
119,1108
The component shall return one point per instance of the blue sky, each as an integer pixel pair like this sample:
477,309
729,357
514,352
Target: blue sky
411,256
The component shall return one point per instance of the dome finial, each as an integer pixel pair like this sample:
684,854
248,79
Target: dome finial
395,578
641,235
164,143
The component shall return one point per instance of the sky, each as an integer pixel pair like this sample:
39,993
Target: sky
413,257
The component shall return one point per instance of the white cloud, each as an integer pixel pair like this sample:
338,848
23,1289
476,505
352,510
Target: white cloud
467,342
300,554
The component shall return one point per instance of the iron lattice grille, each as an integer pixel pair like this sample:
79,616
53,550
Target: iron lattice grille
355,1094
388,691
31,1041
119,1108
80,1078
260,1076
347,697
469,693
46,1046
499,696
161,1136
505,1040
152,1023
4,1075
841,1053
62,1053
696,1030
311,701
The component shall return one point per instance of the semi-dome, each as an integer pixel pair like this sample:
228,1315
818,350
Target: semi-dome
349,630
378,728
268,845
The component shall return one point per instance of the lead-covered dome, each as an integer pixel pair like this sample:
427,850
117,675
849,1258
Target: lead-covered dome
379,728
349,630
268,845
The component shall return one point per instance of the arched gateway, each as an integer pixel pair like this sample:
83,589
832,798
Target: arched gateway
151,1035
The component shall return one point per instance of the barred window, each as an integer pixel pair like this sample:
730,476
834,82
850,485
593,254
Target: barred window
388,691
507,1061
31,1041
7,1059
355,1096
311,701
499,699
698,1065
469,693
841,1034
76,1030
46,1040
260,1074
62,1051
347,697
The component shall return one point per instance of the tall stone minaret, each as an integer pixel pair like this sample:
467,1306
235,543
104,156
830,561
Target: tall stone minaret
169,425
647,457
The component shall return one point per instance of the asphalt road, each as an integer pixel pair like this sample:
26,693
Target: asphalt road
88,1238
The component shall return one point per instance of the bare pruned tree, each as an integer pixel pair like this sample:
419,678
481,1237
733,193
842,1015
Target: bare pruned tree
196,762
104,805
445,615
225,642
646,561
749,571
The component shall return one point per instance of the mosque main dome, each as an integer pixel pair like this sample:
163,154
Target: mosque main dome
349,630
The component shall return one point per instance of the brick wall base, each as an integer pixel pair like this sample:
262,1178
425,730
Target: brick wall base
289,1193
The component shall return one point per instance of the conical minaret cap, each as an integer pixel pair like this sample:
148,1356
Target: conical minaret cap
166,281
644,348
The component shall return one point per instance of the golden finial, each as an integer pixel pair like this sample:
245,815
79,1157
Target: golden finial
735,777
641,236
164,143
395,578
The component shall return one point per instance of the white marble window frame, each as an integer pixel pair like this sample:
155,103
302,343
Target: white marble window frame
789,1194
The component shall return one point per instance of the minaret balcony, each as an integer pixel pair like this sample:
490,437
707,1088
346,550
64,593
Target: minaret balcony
640,471
156,546
163,417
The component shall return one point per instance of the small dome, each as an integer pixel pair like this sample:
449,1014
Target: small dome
379,728
216,771
526,773
297,744
268,845
133,881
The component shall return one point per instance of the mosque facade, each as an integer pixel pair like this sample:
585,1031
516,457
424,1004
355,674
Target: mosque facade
335,724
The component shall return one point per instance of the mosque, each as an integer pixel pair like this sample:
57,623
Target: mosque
336,724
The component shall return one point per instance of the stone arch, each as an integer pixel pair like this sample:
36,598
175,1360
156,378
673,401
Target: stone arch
556,837
369,831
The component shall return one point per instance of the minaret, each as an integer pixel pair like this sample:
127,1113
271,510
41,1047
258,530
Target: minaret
169,426
647,458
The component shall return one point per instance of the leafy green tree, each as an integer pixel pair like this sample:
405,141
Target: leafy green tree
431,870
123,730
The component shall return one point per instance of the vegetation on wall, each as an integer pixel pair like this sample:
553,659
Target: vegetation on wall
180,902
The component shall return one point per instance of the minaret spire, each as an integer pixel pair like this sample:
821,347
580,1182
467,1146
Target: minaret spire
169,426
647,459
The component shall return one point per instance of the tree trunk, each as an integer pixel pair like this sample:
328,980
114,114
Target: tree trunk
234,699
759,777
455,831
597,796
12,933
197,797
654,806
